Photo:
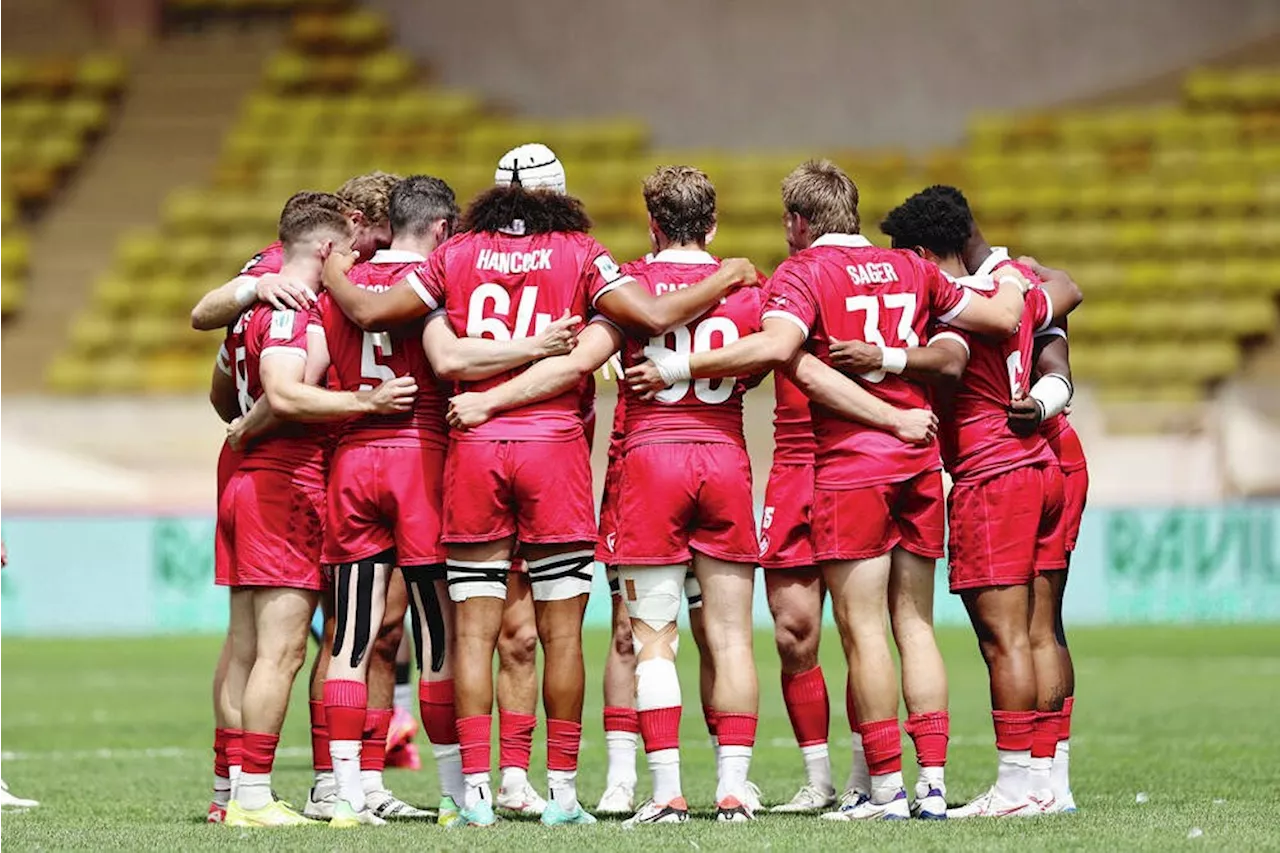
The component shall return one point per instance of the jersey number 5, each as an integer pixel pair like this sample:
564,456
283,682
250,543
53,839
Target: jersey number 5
871,333
375,344
710,391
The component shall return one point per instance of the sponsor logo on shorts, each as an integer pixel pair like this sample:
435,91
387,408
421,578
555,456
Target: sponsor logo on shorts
767,521
610,540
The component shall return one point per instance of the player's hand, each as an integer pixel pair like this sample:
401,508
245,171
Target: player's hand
235,435
611,370
645,380
856,356
1023,415
282,293
394,395
338,263
739,271
916,426
469,410
558,338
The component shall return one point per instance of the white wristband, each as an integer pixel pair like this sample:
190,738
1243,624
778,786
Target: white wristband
247,293
672,367
893,359
1016,280
1053,392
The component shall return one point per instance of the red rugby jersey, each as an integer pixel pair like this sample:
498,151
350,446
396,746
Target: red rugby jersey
700,410
363,360
504,286
294,447
269,260
844,288
793,442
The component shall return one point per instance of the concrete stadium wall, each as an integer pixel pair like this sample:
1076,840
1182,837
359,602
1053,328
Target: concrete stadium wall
814,73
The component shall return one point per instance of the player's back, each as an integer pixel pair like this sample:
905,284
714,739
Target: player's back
503,286
975,436
260,331
363,360
701,410
792,425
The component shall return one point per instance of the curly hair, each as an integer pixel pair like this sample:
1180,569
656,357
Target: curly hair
682,201
936,219
540,211
370,194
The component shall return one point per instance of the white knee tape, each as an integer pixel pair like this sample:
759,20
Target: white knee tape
652,593
657,684
477,580
692,591
562,576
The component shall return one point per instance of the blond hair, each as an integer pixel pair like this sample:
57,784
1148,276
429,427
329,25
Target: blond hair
682,201
824,194
370,194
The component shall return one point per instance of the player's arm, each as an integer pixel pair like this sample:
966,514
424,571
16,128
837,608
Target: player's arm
222,389
942,361
285,388
633,307
550,377
1063,292
219,307
468,359
1053,390
370,310
774,345
831,388
995,316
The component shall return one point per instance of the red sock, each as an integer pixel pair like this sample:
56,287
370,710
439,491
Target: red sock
564,739
345,703
883,746
850,709
259,752
473,741
709,717
805,695
930,732
373,751
660,728
736,729
1044,734
221,767
235,748
439,719
1064,721
320,758
515,737
621,719
1013,729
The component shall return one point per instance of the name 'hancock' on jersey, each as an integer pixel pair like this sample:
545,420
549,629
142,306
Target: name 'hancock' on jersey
844,288
699,410
503,286
363,360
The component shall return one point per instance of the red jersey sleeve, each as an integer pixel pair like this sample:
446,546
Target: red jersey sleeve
790,298
947,298
269,260
602,272
427,280
285,332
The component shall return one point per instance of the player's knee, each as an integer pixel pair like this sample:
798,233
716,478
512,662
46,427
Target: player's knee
622,638
387,644
519,646
285,655
796,636
652,594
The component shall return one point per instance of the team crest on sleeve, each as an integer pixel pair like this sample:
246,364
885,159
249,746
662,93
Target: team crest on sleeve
608,268
253,262
282,325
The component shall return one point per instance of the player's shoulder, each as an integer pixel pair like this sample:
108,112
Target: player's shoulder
1027,272
269,258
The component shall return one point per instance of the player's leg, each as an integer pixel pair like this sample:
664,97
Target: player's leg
924,676
242,632
795,602
1046,592
401,750
281,618
226,702
652,601
517,697
621,720
324,790
222,735
432,620
859,590
1059,775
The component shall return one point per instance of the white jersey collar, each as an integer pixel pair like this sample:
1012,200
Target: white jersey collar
849,241
681,256
396,256
999,254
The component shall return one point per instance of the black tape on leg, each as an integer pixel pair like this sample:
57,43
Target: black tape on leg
435,627
365,573
427,613
341,583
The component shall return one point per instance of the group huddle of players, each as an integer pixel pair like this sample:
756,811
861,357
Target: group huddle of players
409,392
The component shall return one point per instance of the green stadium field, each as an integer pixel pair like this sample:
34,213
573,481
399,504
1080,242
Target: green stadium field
113,737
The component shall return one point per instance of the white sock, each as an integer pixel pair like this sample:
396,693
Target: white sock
324,783
1012,774
346,770
514,777
735,763
885,787
405,697
931,777
221,790
664,766
476,787
371,780
449,768
1059,778
253,790
234,770
621,747
715,746
1038,777
562,786
817,766
859,773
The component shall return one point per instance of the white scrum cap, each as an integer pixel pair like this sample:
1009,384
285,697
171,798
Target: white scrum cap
533,166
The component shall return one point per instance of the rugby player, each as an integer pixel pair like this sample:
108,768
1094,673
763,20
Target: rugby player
525,258
271,514
878,505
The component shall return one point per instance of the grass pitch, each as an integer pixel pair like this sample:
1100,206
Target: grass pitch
113,737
